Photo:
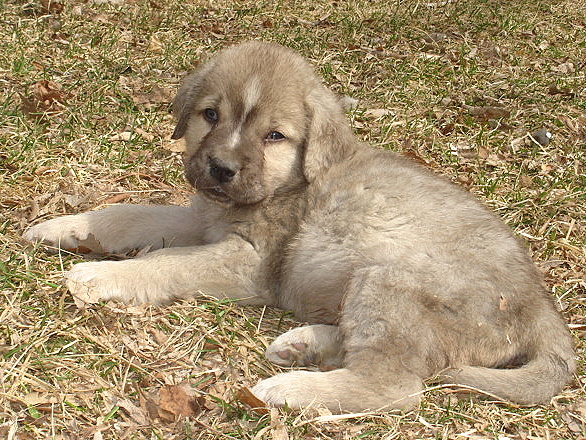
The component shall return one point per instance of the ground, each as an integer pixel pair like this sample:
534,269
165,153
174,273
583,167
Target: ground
468,87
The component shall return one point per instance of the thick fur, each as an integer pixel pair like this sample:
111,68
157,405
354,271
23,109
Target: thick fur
404,275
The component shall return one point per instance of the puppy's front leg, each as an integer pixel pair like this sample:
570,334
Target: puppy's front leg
227,269
120,228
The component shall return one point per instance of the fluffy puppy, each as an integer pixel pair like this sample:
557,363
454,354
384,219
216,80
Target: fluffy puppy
403,275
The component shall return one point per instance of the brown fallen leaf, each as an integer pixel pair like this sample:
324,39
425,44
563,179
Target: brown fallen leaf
44,98
177,146
79,250
495,160
488,112
555,90
116,199
52,6
136,413
178,401
155,45
148,403
377,113
157,96
245,396
44,170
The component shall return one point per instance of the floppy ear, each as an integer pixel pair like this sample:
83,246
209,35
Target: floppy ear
330,138
186,97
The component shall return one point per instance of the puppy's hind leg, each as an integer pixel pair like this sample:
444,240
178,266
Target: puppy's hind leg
340,391
383,346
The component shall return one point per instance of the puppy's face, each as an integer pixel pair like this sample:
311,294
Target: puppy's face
245,121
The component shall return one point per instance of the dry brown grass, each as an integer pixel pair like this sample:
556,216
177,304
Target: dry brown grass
84,94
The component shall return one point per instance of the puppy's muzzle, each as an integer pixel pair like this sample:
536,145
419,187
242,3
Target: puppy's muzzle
222,171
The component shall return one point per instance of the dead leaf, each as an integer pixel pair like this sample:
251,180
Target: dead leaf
136,413
576,125
82,300
464,151
35,398
176,146
546,168
377,113
488,112
43,170
483,153
210,346
148,403
157,96
572,422
52,6
159,336
116,199
155,45
46,97
80,250
144,134
525,181
178,401
495,160
73,200
246,396
555,90
565,68
124,136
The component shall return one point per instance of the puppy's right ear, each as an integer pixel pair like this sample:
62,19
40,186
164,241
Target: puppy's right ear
329,139
184,102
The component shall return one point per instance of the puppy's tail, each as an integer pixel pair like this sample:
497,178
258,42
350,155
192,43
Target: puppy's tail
533,383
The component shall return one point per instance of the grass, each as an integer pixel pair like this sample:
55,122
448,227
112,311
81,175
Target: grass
84,95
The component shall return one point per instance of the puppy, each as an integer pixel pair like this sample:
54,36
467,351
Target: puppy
403,275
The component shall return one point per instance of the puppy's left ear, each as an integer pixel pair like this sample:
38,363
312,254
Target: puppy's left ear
186,98
330,138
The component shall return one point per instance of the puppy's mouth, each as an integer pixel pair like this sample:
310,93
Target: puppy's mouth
216,194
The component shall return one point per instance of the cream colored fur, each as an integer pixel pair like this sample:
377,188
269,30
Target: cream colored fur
404,275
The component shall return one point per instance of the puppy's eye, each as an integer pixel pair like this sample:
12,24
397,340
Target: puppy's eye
211,115
275,136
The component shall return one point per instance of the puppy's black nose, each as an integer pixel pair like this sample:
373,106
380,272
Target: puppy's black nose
221,171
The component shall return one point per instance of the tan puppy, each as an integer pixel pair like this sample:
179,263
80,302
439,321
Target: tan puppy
404,274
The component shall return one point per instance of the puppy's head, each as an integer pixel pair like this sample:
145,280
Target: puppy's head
257,121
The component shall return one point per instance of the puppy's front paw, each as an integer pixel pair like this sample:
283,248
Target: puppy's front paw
71,232
128,281
310,345
104,280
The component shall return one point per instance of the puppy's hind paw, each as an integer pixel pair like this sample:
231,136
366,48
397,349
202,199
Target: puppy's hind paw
283,389
304,346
